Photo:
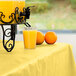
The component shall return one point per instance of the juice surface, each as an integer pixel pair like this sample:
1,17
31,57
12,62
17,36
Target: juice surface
30,38
8,7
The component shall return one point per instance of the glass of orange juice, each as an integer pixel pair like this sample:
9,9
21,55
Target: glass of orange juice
30,36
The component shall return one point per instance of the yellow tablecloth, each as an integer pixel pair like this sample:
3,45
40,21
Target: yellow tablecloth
45,60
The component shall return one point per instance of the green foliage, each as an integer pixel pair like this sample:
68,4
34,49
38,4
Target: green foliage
73,2
39,6
50,1
35,0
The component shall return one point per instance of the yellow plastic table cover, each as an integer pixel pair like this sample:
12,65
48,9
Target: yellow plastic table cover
44,60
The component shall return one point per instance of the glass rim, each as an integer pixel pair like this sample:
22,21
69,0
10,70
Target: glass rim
30,28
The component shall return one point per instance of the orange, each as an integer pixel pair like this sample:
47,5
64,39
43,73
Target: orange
40,38
50,37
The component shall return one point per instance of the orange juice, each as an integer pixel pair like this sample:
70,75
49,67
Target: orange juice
30,38
8,7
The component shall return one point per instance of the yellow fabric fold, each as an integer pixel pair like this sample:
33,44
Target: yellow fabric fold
44,60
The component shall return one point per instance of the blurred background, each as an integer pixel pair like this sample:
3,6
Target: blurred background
53,14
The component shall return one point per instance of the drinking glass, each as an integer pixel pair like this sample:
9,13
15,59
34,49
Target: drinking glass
29,36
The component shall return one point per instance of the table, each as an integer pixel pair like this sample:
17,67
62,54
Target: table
44,60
